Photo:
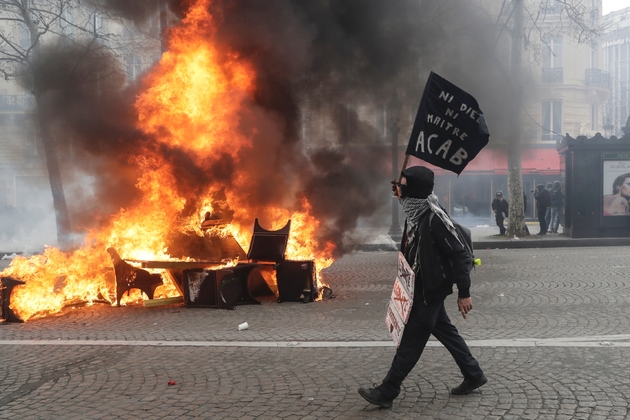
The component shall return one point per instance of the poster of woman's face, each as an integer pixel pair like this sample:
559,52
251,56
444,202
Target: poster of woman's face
616,188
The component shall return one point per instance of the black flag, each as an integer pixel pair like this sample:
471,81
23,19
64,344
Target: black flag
450,129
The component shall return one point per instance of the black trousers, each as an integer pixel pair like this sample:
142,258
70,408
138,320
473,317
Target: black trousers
499,219
424,321
542,221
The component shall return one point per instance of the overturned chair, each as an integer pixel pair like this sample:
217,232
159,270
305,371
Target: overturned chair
295,279
129,277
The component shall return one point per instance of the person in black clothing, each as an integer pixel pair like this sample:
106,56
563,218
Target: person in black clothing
525,211
557,204
500,208
548,187
433,249
543,201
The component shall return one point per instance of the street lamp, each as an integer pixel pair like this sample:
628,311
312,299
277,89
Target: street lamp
608,127
393,120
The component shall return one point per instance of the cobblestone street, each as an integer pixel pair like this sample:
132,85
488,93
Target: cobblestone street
549,327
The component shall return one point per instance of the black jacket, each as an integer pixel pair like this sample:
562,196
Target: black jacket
557,198
442,261
500,206
543,199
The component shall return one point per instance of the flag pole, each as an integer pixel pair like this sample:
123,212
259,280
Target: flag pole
404,166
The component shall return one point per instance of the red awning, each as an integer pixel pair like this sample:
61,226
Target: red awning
494,161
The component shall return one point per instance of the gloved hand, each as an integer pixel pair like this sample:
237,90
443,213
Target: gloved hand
395,184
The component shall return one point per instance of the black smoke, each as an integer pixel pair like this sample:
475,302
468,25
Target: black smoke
316,55
352,52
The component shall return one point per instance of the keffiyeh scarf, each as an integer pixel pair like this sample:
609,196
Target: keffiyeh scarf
414,208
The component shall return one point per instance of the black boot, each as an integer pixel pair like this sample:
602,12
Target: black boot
376,397
469,385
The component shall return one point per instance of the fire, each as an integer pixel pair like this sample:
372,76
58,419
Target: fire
196,93
192,104
302,245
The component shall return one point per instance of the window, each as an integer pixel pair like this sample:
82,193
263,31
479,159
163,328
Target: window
31,137
133,65
346,122
66,21
552,7
24,39
97,22
551,120
552,60
594,117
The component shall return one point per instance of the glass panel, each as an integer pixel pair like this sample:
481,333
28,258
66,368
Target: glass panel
557,118
546,120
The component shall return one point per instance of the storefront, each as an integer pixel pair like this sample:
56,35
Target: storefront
470,195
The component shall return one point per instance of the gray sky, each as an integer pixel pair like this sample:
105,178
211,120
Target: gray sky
612,5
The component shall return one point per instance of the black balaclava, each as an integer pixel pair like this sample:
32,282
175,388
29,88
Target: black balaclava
419,182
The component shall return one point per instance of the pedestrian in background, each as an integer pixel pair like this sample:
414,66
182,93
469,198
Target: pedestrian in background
500,208
564,203
525,211
548,187
433,249
557,204
543,201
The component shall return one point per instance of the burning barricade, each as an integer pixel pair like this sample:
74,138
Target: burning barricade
180,226
219,284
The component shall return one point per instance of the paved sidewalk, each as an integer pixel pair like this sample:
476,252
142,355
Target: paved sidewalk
486,236
550,328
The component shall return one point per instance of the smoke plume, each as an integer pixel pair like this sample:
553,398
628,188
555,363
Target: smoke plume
315,60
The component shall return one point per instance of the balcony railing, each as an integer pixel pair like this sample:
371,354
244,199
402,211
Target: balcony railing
597,77
16,102
552,75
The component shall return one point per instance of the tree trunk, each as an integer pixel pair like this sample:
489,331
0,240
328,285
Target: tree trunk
516,224
64,232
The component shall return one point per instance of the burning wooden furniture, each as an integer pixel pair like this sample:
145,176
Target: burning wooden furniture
214,284
209,284
129,277
8,283
296,279
222,288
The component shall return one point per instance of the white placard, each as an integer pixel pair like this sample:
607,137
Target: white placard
406,274
402,301
395,324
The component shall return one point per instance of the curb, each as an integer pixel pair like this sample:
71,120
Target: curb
377,247
553,243
519,244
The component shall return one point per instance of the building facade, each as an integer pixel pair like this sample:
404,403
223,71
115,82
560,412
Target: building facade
25,192
616,51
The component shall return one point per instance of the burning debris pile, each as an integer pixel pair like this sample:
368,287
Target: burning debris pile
200,136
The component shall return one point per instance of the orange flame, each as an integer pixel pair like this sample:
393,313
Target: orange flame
192,103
